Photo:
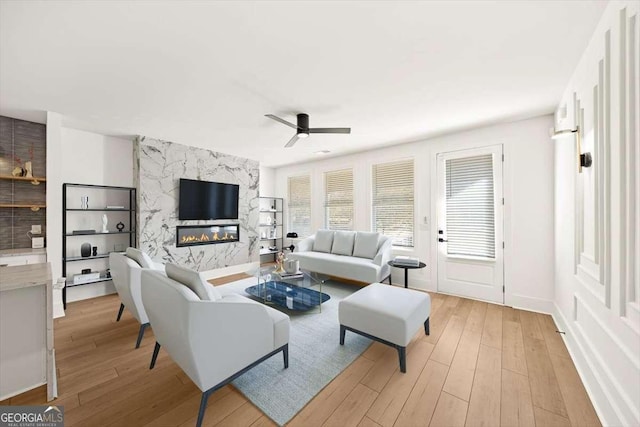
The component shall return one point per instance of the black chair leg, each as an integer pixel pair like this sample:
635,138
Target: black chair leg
203,407
343,332
402,354
426,326
156,349
141,334
120,312
285,355
389,279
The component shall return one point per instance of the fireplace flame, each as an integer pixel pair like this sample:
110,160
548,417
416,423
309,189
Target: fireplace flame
207,237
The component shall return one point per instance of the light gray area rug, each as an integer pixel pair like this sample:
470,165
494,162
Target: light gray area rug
315,357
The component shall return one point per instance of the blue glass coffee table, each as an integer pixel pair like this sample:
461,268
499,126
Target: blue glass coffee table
299,292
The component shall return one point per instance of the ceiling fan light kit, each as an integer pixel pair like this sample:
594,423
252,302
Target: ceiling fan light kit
302,128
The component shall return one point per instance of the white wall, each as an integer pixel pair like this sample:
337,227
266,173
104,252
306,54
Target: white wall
597,223
528,192
75,156
267,182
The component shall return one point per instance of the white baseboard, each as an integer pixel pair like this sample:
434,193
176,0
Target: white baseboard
93,290
58,307
529,303
603,401
227,271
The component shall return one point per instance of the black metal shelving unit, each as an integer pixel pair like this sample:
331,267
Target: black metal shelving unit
270,232
131,228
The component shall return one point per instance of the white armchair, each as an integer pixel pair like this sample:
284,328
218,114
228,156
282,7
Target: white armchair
213,338
125,271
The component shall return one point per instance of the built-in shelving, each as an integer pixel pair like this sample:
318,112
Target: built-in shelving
107,195
23,205
270,226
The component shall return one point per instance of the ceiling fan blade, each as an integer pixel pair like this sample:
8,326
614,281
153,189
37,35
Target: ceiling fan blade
278,119
292,141
330,130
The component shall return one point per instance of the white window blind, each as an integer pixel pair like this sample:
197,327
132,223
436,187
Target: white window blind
299,207
470,206
392,201
338,197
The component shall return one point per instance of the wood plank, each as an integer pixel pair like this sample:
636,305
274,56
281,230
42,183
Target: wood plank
448,342
264,421
245,415
382,370
530,326
484,405
513,357
516,408
227,279
353,408
450,411
577,402
553,340
184,411
219,410
368,422
318,410
463,368
475,322
439,319
391,399
545,392
422,400
375,351
510,314
549,419
492,331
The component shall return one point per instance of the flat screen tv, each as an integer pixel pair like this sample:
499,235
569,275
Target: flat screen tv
207,200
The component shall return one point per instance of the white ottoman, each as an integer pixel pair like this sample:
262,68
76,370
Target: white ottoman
386,314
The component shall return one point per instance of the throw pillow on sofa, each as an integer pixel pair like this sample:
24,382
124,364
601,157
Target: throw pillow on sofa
140,257
323,241
343,242
366,245
193,281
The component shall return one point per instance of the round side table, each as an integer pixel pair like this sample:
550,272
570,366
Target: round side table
406,270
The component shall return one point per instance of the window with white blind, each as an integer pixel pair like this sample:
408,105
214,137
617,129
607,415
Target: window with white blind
299,207
338,199
392,201
470,206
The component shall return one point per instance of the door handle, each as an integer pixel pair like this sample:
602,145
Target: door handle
440,239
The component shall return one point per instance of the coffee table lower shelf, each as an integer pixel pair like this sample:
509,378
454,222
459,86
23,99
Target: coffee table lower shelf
287,296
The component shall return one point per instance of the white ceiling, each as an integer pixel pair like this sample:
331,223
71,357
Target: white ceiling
205,73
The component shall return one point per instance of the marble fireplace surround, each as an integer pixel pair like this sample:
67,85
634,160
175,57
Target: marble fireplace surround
158,167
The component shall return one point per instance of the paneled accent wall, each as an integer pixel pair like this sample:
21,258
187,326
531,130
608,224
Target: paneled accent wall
596,217
20,142
158,167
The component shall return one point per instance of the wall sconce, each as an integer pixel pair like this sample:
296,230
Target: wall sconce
584,159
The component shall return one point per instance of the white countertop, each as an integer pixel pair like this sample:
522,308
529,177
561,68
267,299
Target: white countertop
22,251
25,276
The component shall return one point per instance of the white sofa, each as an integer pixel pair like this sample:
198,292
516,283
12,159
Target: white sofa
356,255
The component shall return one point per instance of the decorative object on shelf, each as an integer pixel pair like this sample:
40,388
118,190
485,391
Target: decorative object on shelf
120,226
108,273
263,235
18,170
85,271
84,202
269,219
292,235
95,251
279,263
290,247
273,208
85,250
105,221
28,170
114,207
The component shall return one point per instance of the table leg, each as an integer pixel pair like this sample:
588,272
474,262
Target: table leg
406,277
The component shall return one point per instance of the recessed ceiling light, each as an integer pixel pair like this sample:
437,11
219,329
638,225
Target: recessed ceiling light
322,152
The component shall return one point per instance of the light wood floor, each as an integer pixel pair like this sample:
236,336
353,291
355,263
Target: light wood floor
483,364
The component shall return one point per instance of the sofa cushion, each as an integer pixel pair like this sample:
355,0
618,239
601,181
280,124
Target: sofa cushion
366,245
323,241
193,280
343,242
140,257
360,269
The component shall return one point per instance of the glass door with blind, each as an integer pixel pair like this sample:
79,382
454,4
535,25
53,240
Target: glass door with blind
470,223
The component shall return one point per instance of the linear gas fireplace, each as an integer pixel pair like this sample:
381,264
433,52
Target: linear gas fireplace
192,235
